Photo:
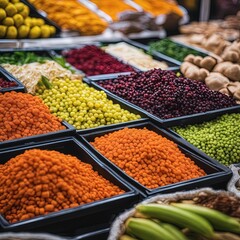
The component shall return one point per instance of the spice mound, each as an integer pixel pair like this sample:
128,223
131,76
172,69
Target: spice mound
39,182
147,157
25,115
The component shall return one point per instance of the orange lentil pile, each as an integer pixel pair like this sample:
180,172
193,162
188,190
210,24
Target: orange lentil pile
25,115
39,182
147,157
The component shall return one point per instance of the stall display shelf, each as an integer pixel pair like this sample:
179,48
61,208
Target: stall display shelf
93,221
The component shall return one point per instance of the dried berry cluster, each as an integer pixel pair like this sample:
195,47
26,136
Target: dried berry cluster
165,95
6,84
94,61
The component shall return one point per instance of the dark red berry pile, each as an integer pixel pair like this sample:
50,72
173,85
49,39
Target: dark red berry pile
165,95
94,61
6,84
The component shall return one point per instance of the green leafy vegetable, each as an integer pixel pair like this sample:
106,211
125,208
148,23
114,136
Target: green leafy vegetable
21,57
172,49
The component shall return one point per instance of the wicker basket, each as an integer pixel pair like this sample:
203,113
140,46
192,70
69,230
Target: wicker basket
234,183
29,236
118,228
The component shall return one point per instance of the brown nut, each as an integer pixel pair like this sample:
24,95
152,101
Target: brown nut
208,63
216,81
197,61
189,58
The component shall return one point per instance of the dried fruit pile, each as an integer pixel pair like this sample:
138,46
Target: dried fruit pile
165,95
113,8
159,7
94,61
25,115
149,158
72,15
39,182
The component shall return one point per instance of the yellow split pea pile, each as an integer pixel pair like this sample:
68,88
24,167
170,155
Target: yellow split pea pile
39,182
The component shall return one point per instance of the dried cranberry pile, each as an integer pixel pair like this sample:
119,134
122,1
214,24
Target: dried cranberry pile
6,84
164,95
94,61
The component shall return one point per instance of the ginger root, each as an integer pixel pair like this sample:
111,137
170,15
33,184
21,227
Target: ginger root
215,44
229,70
234,89
224,91
197,61
232,53
218,76
193,72
189,58
216,81
208,63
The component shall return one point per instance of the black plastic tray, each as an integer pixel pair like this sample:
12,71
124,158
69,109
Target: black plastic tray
35,13
146,41
159,54
78,220
8,77
216,172
38,51
183,120
9,144
178,137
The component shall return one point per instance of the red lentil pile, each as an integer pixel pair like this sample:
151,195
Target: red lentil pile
39,182
147,157
25,115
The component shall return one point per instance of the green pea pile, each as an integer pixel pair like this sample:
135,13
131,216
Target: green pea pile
82,106
219,138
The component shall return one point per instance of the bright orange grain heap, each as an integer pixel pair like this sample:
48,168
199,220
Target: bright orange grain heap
22,115
113,8
147,157
38,182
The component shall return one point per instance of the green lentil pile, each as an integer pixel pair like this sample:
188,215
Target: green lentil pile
82,106
219,138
